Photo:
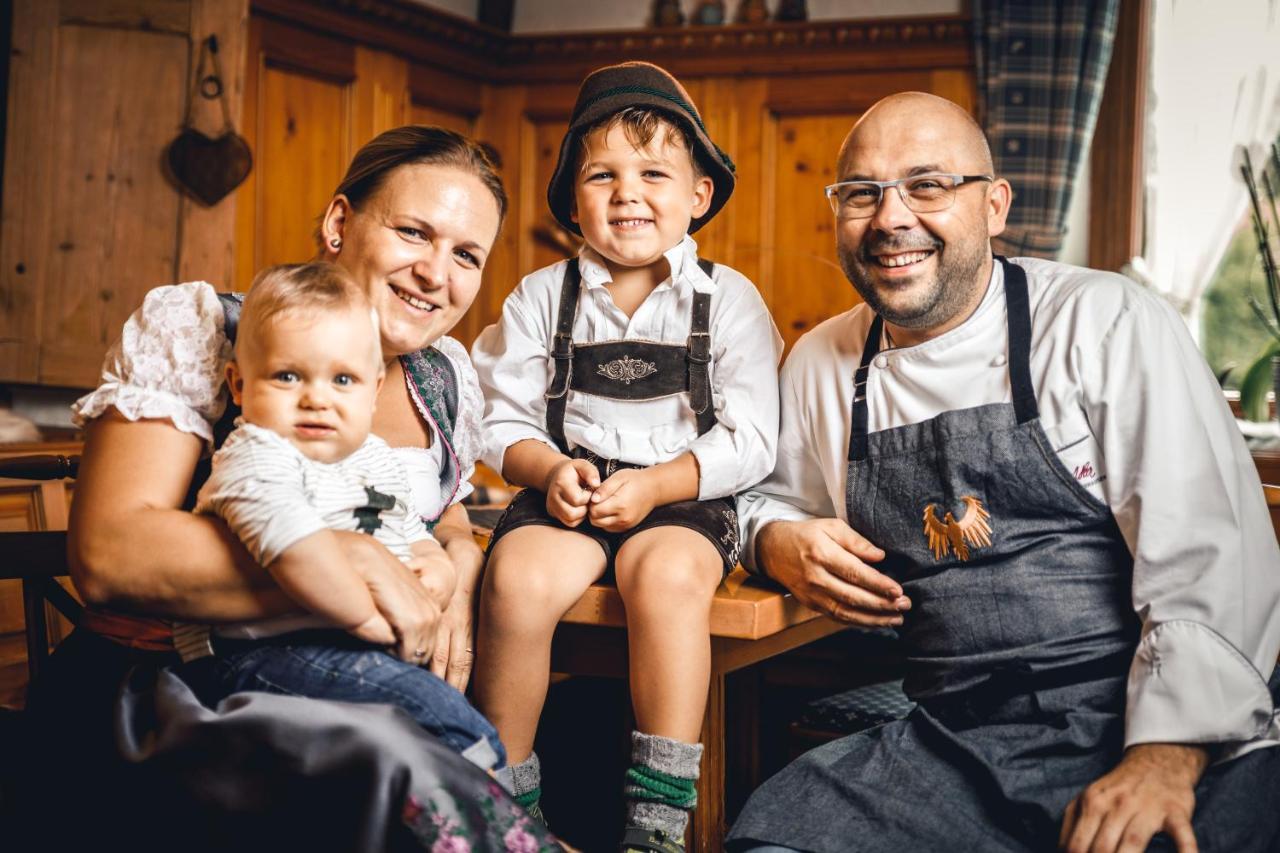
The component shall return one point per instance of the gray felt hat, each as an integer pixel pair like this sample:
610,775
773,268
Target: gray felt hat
612,89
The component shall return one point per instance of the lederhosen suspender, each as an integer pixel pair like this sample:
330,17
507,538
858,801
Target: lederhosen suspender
629,370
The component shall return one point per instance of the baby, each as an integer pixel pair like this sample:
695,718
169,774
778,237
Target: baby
300,465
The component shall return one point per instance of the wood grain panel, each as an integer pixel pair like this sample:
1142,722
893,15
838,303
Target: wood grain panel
302,150
100,97
806,285
380,95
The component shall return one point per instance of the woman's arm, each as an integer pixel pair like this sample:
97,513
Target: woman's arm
453,648
132,547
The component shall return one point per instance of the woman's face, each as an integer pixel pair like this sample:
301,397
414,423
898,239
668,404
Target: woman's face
417,246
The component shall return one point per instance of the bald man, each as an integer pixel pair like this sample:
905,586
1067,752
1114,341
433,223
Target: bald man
1028,470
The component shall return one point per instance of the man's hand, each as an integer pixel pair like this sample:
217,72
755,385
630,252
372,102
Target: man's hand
624,500
568,488
824,564
1151,790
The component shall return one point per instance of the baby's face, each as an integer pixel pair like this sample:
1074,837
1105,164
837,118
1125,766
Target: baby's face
312,380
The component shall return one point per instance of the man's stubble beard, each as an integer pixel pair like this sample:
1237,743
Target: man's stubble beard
949,293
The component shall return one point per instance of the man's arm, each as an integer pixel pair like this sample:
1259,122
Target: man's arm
1206,574
791,532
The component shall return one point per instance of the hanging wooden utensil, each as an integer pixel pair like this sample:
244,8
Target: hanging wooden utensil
208,168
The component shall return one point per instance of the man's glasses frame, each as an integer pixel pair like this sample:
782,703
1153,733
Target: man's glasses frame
920,201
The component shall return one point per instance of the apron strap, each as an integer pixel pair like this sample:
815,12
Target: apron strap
562,354
699,356
1018,307
858,423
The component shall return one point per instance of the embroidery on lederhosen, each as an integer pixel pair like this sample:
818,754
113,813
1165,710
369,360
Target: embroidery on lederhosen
368,517
730,538
973,529
627,369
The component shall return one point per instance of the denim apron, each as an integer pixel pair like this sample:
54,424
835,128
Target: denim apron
1017,645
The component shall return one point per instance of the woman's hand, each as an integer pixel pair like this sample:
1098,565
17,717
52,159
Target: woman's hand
455,636
401,598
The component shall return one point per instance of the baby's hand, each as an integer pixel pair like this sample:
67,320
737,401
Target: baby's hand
624,500
375,630
434,570
568,488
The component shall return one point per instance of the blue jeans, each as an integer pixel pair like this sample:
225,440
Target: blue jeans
323,664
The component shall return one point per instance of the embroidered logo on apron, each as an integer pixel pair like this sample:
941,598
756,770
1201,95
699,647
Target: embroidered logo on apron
972,530
627,369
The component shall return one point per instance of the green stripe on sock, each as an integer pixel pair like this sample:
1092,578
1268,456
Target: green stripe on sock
528,798
646,783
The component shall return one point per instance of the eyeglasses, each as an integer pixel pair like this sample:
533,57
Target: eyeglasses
920,193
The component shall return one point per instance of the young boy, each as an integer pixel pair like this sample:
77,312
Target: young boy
633,391
301,464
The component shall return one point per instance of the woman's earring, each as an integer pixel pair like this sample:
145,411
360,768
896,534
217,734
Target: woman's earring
336,243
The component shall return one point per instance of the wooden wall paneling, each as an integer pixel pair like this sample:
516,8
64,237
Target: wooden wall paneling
500,124
379,95
207,234
302,130
108,82
24,217
716,104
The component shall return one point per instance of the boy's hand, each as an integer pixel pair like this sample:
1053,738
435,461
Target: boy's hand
624,500
569,487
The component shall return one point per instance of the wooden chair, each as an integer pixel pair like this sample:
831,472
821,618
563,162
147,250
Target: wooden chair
38,559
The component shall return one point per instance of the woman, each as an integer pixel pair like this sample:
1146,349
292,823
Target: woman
413,222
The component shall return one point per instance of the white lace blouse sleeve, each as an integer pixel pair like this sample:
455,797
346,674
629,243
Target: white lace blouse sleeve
168,362
466,432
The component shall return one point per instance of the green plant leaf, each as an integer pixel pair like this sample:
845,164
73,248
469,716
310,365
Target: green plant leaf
1257,382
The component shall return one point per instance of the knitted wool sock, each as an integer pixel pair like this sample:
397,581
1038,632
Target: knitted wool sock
660,784
526,781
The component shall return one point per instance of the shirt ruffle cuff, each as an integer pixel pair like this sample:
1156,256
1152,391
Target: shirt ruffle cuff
1189,685
499,439
136,403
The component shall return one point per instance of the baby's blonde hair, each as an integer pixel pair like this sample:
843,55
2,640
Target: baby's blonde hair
298,290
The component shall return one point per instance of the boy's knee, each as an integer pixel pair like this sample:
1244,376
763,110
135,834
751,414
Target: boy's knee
669,584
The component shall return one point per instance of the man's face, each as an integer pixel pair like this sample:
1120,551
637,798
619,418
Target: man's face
917,270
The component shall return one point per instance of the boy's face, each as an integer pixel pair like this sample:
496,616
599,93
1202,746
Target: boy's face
312,379
634,204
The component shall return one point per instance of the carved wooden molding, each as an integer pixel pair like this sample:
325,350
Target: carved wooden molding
442,40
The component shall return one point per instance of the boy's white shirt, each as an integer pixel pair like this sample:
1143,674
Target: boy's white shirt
514,364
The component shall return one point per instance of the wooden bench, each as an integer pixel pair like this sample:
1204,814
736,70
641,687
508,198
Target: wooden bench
751,621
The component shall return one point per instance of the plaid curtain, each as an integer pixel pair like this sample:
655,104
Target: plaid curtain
1041,69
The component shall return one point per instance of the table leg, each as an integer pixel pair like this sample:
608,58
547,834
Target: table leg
707,829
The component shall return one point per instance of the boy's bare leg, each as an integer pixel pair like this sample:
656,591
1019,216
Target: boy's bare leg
534,575
667,577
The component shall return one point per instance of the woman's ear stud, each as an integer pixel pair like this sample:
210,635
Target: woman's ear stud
336,243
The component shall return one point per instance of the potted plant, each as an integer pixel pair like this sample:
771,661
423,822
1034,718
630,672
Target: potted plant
1264,373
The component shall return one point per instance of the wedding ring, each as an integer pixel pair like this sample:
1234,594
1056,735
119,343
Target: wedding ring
419,653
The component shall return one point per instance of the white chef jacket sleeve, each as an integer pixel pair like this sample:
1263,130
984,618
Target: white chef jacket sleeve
1187,500
797,490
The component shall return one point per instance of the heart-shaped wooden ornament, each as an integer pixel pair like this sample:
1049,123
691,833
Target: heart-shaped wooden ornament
207,168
